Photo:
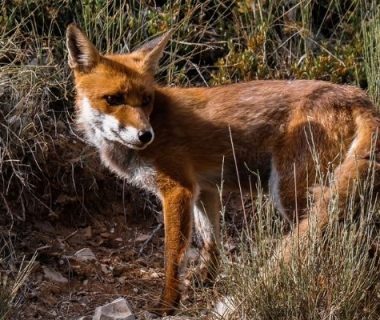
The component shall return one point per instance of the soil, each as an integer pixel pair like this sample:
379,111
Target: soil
128,263
119,268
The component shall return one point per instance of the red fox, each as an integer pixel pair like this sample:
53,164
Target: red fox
173,141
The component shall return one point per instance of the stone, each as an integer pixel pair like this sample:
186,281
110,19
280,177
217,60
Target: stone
142,237
225,307
87,232
118,309
84,255
53,275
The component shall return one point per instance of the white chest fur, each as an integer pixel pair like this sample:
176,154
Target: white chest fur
128,165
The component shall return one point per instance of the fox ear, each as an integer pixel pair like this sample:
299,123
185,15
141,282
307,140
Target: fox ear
83,55
152,51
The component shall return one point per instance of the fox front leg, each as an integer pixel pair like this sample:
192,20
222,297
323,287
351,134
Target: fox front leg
177,200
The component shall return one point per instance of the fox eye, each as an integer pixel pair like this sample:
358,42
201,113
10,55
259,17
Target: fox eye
146,100
115,100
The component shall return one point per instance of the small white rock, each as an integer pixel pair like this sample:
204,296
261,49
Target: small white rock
122,279
142,237
105,268
84,255
118,309
53,275
225,307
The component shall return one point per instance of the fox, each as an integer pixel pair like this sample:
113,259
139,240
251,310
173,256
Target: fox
174,142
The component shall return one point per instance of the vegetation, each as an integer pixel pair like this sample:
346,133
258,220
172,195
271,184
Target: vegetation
46,168
371,33
334,275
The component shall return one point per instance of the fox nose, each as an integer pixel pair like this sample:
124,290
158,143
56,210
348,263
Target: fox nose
145,136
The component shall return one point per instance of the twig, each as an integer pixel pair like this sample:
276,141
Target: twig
159,226
70,235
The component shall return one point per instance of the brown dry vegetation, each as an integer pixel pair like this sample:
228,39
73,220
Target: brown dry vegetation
55,197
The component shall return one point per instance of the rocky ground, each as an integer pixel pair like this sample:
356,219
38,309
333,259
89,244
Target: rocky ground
94,261
78,269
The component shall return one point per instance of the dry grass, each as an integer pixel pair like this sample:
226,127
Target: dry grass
371,36
14,272
42,160
336,276
333,273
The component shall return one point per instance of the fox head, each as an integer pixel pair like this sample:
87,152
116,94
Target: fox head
115,93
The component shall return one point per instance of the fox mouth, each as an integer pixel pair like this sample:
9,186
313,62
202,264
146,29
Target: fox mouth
136,146
130,145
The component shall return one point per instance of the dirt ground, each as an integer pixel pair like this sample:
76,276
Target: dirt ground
62,286
127,261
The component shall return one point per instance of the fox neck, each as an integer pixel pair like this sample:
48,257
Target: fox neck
172,101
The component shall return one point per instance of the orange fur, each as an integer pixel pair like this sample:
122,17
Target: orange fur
274,127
